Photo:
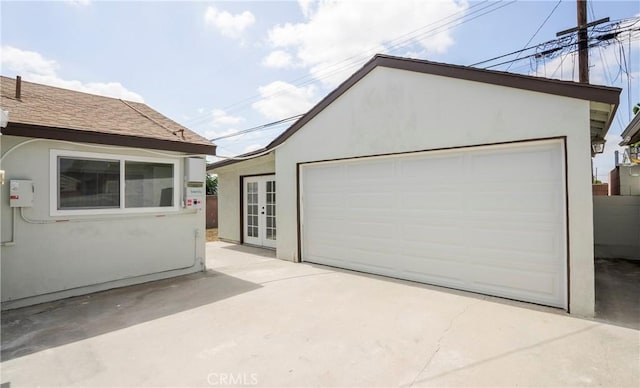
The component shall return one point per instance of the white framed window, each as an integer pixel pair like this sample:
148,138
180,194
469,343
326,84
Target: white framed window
85,183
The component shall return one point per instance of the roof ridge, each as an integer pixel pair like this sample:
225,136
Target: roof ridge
570,89
490,71
65,89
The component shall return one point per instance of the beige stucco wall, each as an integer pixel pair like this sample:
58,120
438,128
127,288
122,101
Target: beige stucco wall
93,252
391,111
229,192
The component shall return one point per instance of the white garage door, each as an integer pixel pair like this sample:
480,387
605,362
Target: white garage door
488,219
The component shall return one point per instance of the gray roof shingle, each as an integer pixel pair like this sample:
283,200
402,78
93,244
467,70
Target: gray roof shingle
45,106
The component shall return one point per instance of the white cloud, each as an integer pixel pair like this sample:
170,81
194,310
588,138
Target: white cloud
229,25
281,100
278,59
27,62
335,31
220,117
306,7
34,67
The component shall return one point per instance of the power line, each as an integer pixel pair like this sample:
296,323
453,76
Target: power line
535,55
259,127
400,43
538,30
598,40
566,42
358,59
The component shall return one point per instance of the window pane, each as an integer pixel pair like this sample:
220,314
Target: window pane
148,184
88,183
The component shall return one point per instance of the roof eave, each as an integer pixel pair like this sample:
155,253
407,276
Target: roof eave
240,158
631,133
593,93
76,136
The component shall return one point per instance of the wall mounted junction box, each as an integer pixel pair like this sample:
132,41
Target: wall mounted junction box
21,193
194,198
195,170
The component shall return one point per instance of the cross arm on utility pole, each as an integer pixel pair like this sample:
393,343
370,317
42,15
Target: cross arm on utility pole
583,39
574,29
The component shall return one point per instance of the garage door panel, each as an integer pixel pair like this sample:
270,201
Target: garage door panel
442,218
454,251
500,259
429,200
444,278
361,243
442,168
537,287
363,265
369,171
357,258
513,240
423,250
442,234
438,253
535,164
368,200
515,202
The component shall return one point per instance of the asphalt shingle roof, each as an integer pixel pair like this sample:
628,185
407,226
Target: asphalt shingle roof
48,106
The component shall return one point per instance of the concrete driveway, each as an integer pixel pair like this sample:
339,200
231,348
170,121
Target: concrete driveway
255,320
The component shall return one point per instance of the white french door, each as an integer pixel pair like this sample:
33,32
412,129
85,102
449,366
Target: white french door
259,197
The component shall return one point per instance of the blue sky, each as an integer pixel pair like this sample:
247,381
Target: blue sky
218,67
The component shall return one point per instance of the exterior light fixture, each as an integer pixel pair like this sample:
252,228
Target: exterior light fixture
597,146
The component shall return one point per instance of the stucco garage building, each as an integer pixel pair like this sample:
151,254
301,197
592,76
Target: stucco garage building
95,195
449,175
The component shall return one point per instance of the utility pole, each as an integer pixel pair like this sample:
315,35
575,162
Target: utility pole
583,39
583,43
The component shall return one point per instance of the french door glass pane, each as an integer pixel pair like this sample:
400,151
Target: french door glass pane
271,210
252,209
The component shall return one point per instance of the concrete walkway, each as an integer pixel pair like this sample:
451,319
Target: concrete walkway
255,320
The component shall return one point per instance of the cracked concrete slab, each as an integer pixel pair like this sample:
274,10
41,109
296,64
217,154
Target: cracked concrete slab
256,320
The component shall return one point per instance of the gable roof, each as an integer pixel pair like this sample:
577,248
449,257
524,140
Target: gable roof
604,99
54,113
631,133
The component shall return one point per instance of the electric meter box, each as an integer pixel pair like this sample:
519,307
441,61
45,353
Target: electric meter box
194,198
20,193
195,170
